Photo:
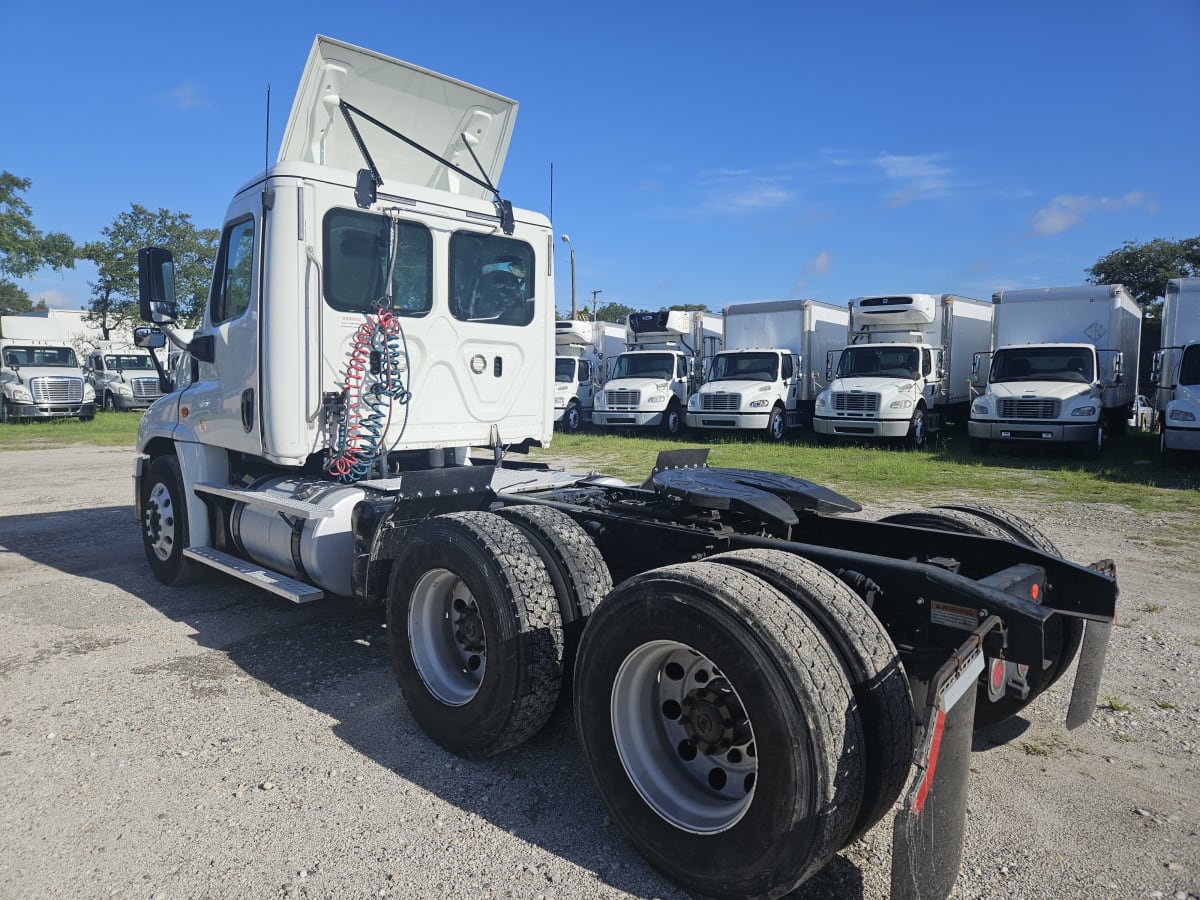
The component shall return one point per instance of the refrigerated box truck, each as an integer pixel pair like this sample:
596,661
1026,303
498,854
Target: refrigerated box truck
1176,372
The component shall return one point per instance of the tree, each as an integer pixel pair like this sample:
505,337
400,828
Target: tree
114,301
613,312
1144,270
24,249
14,299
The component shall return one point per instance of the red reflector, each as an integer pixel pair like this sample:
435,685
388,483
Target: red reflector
997,674
1034,591
927,782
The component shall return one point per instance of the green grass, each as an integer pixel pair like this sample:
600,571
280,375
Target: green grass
1115,703
1128,473
108,429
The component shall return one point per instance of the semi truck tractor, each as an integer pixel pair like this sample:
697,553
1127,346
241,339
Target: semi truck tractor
1062,368
765,381
40,374
757,675
904,373
584,351
650,384
1176,372
122,375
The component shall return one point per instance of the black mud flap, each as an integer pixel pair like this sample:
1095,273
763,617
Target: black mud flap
1086,690
927,839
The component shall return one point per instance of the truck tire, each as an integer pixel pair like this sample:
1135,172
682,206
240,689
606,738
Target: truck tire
672,421
719,729
474,632
572,419
165,530
916,439
110,404
577,570
1090,449
871,662
1062,640
775,426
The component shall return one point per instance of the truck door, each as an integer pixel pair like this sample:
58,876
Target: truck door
224,403
587,387
788,369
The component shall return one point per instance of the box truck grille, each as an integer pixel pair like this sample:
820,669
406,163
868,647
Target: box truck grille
846,401
1041,408
146,388
720,402
623,398
56,390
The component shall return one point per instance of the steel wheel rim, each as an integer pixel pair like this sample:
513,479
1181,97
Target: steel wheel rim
573,418
777,428
159,521
695,769
446,637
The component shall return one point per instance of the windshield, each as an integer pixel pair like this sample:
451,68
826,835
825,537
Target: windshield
884,362
564,369
62,357
644,365
1073,364
1189,366
744,367
127,361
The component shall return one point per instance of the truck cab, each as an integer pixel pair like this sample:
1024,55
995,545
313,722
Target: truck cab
1044,392
575,382
754,390
1180,416
881,391
40,379
123,376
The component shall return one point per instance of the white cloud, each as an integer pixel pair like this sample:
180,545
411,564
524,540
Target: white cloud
188,95
819,264
1066,211
915,177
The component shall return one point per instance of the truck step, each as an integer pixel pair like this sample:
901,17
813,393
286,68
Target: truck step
296,591
285,505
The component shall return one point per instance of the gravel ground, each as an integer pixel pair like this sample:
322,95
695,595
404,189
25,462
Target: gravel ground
215,741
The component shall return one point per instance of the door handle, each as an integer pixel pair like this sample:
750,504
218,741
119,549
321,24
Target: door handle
248,410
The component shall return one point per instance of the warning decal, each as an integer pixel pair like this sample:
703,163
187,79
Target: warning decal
953,616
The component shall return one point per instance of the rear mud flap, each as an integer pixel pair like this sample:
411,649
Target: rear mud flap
927,839
1086,691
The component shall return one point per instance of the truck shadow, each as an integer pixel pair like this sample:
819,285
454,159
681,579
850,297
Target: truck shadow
335,660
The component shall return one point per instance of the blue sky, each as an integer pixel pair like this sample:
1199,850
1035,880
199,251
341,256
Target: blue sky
702,152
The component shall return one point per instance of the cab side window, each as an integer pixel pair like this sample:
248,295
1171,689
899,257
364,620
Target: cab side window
585,371
926,362
787,367
491,279
232,273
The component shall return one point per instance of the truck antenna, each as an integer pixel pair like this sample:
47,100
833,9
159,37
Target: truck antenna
267,137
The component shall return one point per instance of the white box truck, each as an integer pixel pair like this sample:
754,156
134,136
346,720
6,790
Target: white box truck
1176,371
650,384
766,379
583,353
904,373
373,313
122,375
1062,368
40,374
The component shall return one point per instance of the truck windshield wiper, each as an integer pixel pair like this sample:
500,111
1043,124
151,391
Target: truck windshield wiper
365,197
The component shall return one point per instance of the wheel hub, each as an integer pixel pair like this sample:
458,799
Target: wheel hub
468,627
713,719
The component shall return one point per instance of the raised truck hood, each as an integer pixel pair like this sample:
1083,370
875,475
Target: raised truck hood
431,109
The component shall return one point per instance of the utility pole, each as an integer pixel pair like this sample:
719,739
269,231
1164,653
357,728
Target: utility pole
594,293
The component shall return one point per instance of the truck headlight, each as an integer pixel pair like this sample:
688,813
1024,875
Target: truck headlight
124,390
1181,415
599,402
560,402
758,404
694,401
902,403
1084,411
657,398
89,393
823,398
20,395
979,409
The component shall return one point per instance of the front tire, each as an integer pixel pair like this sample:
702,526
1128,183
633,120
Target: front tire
572,419
475,633
775,426
672,422
917,438
719,729
165,530
1090,449
110,403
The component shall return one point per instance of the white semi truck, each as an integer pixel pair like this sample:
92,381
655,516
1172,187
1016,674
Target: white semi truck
40,374
122,375
905,371
650,384
1176,372
584,353
744,711
766,380
1062,368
